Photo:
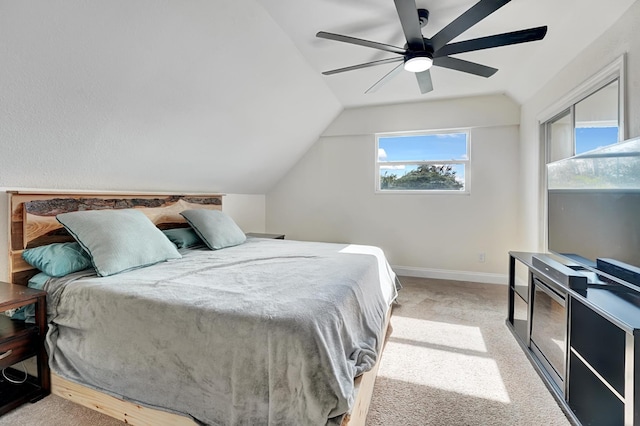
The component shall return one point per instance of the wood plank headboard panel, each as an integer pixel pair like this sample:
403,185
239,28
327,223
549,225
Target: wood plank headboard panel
32,217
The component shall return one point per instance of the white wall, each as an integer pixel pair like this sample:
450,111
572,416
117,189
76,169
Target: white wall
621,38
247,210
178,95
329,195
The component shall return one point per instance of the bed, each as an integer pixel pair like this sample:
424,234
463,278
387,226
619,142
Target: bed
259,332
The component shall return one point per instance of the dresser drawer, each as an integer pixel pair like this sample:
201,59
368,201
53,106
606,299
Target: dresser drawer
18,349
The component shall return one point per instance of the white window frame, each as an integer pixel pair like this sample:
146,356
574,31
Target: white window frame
466,163
616,70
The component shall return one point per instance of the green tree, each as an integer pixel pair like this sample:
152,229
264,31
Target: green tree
387,181
424,177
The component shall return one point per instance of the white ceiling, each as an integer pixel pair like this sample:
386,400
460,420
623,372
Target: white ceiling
144,95
523,68
228,95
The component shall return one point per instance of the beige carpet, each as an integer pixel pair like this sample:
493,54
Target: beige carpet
452,361
449,361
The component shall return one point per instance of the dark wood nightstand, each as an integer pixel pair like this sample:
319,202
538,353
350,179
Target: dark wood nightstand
262,235
19,341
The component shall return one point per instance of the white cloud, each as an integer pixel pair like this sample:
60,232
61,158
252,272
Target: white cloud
447,135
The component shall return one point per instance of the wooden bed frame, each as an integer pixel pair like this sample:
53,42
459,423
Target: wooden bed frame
32,223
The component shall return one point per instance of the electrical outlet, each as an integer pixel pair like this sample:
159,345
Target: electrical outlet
481,257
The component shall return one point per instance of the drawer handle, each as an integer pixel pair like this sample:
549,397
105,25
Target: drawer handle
6,354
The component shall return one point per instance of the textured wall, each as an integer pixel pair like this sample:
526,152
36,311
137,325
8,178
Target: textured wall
144,95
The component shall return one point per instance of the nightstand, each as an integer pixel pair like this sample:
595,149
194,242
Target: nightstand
19,341
262,235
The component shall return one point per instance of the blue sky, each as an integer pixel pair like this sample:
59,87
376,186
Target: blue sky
449,146
589,138
452,146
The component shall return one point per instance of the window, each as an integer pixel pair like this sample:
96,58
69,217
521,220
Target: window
589,117
597,119
591,123
423,162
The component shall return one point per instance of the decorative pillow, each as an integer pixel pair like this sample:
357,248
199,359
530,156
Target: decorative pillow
118,240
183,237
216,229
28,313
39,280
58,259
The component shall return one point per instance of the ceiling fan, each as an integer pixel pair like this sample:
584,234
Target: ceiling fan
420,53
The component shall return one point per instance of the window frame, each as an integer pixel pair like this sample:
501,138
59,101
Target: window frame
616,70
466,163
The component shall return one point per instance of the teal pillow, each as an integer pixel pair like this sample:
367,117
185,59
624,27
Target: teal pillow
28,313
216,229
39,280
118,240
58,259
183,237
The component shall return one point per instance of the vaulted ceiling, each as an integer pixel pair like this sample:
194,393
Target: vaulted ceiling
523,68
226,95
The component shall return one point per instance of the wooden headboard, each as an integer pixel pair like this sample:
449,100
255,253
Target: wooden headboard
32,217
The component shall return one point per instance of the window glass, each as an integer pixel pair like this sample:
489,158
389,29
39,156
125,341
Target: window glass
423,162
597,119
445,146
560,136
590,138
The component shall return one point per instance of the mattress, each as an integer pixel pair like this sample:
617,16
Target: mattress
269,332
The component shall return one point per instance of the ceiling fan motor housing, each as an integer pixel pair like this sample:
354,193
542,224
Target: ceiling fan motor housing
419,60
419,54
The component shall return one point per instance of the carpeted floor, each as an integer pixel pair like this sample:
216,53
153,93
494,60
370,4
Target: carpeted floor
450,361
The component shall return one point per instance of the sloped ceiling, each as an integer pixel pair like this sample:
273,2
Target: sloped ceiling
523,69
225,95
178,95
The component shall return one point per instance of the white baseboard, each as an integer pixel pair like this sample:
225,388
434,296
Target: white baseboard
443,274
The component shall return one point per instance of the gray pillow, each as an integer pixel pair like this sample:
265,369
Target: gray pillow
215,228
118,240
183,237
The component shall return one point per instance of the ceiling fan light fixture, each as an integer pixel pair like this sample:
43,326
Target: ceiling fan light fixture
418,64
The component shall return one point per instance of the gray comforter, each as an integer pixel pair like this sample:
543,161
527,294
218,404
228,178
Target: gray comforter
268,332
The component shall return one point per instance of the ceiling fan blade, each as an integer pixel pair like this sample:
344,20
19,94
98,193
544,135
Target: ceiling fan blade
424,81
410,21
464,66
385,79
515,37
475,14
365,65
361,42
